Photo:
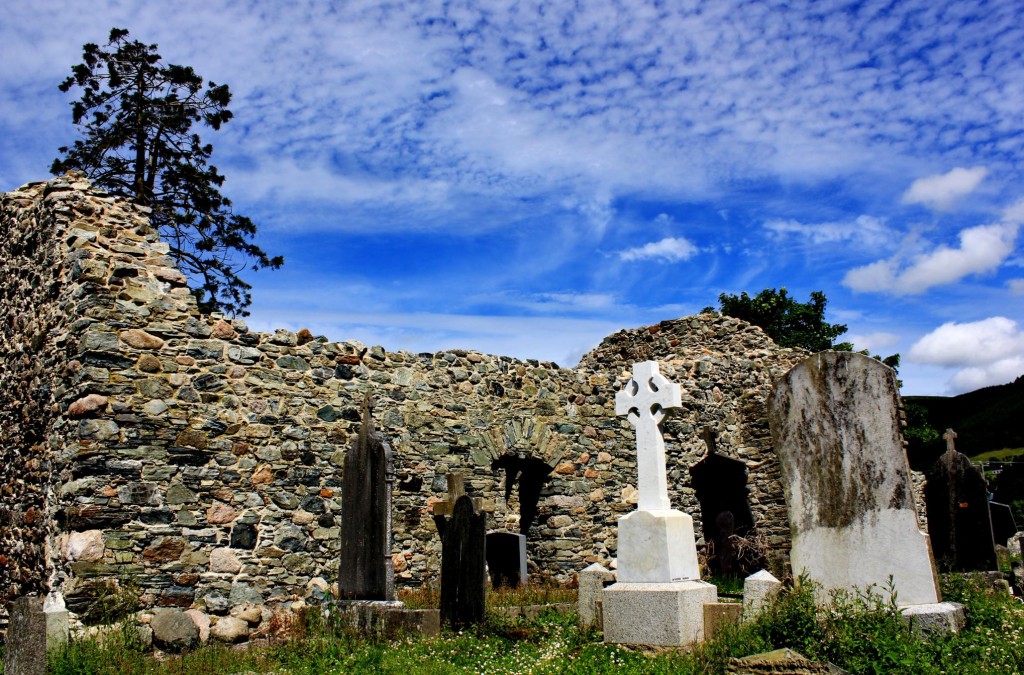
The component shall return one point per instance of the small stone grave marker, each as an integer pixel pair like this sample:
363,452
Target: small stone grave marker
463,576
25,651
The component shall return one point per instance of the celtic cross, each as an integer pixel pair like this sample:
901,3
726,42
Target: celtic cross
644,401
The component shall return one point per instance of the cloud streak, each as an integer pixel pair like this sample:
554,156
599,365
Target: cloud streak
942,191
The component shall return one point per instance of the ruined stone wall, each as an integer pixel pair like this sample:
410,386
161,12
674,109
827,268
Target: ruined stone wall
199,462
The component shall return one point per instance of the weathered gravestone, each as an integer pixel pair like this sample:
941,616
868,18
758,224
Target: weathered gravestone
463,576
25,651
658,598
835,427
959,523
366,571
35,627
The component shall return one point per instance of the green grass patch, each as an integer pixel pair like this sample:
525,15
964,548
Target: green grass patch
996,455
860,632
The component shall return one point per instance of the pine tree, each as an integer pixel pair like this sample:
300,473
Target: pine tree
136,116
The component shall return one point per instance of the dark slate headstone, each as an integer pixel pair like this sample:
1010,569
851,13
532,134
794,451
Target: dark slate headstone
506,559
366,571
959,523
25,651
463,557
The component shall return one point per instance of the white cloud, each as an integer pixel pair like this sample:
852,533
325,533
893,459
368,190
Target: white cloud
970,344
983,353
1000,372
982,249
941,191
871,341
1016,286
867,229
669,249
1014,213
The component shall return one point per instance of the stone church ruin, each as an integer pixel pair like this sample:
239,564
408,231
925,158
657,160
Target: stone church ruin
143,441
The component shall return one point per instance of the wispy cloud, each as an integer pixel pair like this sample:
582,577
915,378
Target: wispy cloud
864,229
982,249
669,249
943,190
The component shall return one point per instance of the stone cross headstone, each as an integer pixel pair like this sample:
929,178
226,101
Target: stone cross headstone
463,576
456,488
366,571
836,429
656,542
644,402
959,521
658,598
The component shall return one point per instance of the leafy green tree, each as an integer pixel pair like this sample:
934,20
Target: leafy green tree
791,323
786,321
136,116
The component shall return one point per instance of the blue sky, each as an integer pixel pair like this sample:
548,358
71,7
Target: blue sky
525,178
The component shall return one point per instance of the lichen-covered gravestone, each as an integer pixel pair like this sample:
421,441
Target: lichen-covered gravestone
463,572
366,571
835,427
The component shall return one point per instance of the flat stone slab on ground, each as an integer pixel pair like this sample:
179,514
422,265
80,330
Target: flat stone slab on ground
665,615
780,662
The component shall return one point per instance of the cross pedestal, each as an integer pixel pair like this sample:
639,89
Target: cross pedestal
658,598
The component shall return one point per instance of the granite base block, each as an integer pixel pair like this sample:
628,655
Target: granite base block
666,614
937,617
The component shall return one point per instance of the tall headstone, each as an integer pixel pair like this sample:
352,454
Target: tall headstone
366,571
959,522
463,575
836,429
658,598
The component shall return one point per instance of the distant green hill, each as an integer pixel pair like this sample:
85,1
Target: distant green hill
985,420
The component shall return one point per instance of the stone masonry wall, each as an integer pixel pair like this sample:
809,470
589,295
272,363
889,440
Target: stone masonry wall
199,463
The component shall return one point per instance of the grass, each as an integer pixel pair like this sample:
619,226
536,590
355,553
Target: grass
997,455
861,632
429,597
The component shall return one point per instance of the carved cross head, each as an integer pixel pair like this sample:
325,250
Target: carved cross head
647,396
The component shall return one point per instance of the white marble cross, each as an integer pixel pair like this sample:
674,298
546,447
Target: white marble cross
644,401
